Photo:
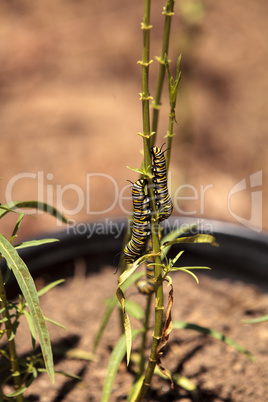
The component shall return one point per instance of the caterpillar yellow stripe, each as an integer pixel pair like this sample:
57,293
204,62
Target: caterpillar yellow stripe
163,199
141,222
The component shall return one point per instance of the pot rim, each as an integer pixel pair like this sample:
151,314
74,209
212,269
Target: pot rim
243,251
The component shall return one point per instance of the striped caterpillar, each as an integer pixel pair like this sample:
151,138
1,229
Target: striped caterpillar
141,222
142,213
163,199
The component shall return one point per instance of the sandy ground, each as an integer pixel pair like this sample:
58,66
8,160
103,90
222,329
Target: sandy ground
220,373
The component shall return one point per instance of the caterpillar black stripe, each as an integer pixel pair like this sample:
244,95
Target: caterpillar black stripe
163,199
141,222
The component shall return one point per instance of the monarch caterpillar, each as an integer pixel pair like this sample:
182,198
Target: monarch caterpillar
163,199
141,217
147,286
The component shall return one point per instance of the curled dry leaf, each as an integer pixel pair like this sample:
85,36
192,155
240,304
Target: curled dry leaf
164,338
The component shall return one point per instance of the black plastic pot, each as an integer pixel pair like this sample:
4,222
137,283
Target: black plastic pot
242,253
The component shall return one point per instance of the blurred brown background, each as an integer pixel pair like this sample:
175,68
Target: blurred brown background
70,111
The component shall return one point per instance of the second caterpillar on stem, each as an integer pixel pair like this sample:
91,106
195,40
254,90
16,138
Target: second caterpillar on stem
142,214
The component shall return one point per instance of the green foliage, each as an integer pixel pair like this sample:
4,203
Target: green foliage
257,320
117,356
41,206
24,371
156,255
214,334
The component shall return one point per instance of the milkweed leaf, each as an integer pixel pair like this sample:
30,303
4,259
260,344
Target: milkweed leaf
164,338
111,306
174,260
76,377
134,310
31,326
174,235
120,295
181,381
134,392
34,243
127,326
198,238
188,271
18,392
27,286
79,354
213,334
140,171
41,206
16,228
117,356
256,320
55,323
51,285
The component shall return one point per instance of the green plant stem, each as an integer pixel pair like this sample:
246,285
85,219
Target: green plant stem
169,141
157,332
11,343
168,12
145,97
144,335
173,93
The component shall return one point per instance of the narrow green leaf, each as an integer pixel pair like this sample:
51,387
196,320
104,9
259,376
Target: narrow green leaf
127,326
198,238
177,80
41,206
105,319
138,170
51,285
113,302
134,392
7,275
34,243
182,381
80,355
31,326
4,210
214,334
175,259
76,377
18,392
4,353
187,272
190,268
178,232
120,295
27,286
14,330
142,172
257,320
16,228
174,235
185,383
117,356
134,309
131,269
55,323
